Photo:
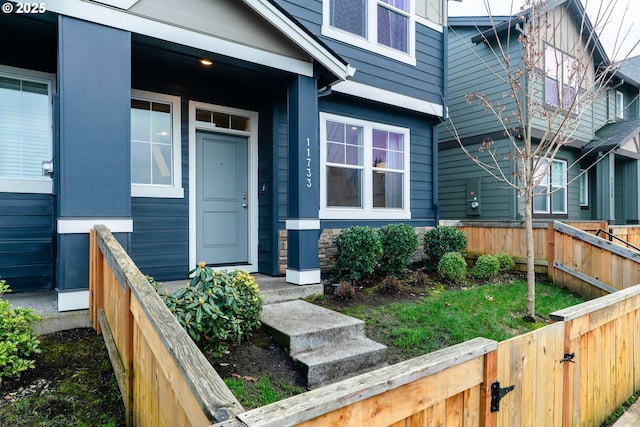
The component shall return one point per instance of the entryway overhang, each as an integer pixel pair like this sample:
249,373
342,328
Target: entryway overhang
255,31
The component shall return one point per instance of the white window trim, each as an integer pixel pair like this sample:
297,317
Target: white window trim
619,105
561,85
585,176
549,193
42,185
368,211
175,190
370,42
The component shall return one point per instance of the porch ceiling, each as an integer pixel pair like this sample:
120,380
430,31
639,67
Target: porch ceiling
150,53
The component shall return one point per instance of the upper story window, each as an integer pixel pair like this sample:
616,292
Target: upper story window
155,145
551,193
559,78
364,169
25,130
383,26
619,105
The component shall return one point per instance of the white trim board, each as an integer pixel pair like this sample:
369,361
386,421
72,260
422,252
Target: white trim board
84,225
302,224
387,97
252,168
306,277
73,300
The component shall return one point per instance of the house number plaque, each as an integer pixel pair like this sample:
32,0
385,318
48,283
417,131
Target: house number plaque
308,177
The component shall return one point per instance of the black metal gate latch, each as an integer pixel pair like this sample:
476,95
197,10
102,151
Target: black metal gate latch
497,394
568,357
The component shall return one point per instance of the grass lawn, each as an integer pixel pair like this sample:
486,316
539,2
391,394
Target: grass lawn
444,317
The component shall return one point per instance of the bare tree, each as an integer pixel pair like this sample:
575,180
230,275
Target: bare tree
552,80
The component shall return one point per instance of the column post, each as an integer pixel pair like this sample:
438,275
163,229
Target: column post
303,224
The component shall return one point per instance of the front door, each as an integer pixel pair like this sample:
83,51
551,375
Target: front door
221,199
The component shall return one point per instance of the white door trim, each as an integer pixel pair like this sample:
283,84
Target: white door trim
252,170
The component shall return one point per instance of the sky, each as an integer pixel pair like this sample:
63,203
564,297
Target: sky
622,20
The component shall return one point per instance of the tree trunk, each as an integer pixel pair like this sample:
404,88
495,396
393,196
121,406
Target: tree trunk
531,272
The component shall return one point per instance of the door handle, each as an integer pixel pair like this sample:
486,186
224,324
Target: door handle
244,205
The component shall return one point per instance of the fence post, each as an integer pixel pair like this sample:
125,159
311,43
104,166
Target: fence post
488,418
551,250
96,281
127,357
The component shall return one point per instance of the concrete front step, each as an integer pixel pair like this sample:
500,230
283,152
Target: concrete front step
328,344
300,326
340,359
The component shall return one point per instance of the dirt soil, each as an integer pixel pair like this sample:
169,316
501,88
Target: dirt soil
72,384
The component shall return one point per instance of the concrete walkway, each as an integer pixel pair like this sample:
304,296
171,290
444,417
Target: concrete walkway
631,418
273,289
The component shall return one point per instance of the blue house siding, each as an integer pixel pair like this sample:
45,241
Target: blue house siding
26,241
422,81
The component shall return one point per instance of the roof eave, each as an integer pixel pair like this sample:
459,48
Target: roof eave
308,43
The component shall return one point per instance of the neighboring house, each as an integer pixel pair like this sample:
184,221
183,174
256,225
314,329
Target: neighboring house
609,128
238,133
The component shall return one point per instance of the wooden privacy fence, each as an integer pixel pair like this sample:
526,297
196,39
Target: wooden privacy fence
627,233
492,237
163,377
589,265
574,372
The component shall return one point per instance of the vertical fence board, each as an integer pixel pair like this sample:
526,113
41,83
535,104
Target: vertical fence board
454,411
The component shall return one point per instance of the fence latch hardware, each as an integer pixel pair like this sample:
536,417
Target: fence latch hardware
568,357
497,394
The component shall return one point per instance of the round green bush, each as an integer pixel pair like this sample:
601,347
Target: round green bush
506,262
18,342
440,240
486,267
358,252
217,307
453,267
399,245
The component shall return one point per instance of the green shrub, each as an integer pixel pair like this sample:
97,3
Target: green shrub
358,253
399,244
18,342
506,262
453,267
486,267
440,240
217,307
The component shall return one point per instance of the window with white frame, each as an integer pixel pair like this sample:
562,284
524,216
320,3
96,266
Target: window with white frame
584,187
364,169
25,130
550,195
619,105
559,78
383,26
155,145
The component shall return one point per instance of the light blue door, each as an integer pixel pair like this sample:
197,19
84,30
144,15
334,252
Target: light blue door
221,199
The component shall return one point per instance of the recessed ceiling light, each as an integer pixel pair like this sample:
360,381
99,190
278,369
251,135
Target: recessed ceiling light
206,62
